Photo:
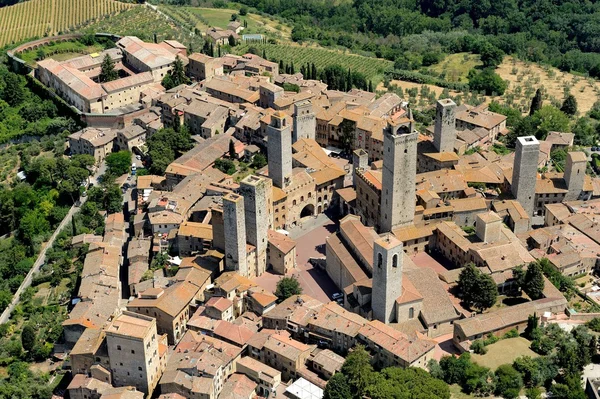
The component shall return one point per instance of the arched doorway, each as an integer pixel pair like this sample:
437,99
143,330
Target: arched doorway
308,210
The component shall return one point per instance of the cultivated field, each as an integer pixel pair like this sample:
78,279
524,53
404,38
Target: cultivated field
372,68
456,67
38,18
203,18
525,78
143,23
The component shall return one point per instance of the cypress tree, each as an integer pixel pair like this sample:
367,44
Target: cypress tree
314,72
281,67
264,55
292,69
536,102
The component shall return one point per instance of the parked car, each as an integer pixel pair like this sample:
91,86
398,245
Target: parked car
337,295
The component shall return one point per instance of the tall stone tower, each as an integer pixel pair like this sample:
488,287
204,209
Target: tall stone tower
235,234
218,229
444,133
399,174
280,150
575,174
360,161
524,177
305,121
387,277
254,190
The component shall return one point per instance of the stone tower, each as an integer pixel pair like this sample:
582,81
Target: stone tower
575,174
305,121
235,234
360,161
254,190
279,150
488,226
524,177
218,229
444,133
387,277
399,174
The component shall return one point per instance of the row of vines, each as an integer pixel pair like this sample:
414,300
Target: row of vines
38,18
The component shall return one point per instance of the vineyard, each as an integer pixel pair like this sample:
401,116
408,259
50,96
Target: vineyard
38,18
144,23
372,68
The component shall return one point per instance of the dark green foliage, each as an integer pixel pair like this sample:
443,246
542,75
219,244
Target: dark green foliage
533,283
243,10
165,145
108,196
569,105
107,70
28,337
176,76
478,290
259,161
508,382
473,378
536,102
487,81
232,153
231,41
337,388
118,163
532,324
594,324
411,383
291,87
513,115
286,287
225,166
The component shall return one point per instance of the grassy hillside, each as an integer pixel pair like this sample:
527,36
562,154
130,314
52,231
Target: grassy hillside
37,18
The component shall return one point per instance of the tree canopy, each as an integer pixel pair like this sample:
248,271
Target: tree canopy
477,290
287,287
107,70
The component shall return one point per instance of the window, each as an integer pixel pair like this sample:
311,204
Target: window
379,260
140,367
411,313
132,351
119,348
395,260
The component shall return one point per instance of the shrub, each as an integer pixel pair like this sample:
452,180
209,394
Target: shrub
479,347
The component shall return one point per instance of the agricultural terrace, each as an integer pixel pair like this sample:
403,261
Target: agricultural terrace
203,18
372,68
143,22
38,18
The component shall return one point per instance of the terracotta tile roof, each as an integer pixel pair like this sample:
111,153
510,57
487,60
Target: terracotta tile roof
395,342
219,303
196,230
232,333
280,241
173,300
348,194
468,204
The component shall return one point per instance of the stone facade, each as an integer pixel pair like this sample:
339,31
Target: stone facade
280,150
399,173
387,277
305,121
444,133
575,174
256,192
235,234
524,175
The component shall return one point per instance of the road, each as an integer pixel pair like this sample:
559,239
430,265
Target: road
37,265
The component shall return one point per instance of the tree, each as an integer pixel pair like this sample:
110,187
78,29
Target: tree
13,92
533,282
536,102
594,324
176,76
28,337
532,324
358,370
225,166
118,163
231,40
337,387
395,382
107,70
569,105
287,287
232,153
259,161
491,56
548,119
487,81
243,10
477,290
508,382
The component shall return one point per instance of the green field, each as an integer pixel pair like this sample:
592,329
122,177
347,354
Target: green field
60,51
457,66
372,68
503,352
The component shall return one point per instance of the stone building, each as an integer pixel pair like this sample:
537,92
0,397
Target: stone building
387,277
524,175
257,192
92,141
398,176
280,150
305,122
135,352
444,134
236,251
281,253
204,67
